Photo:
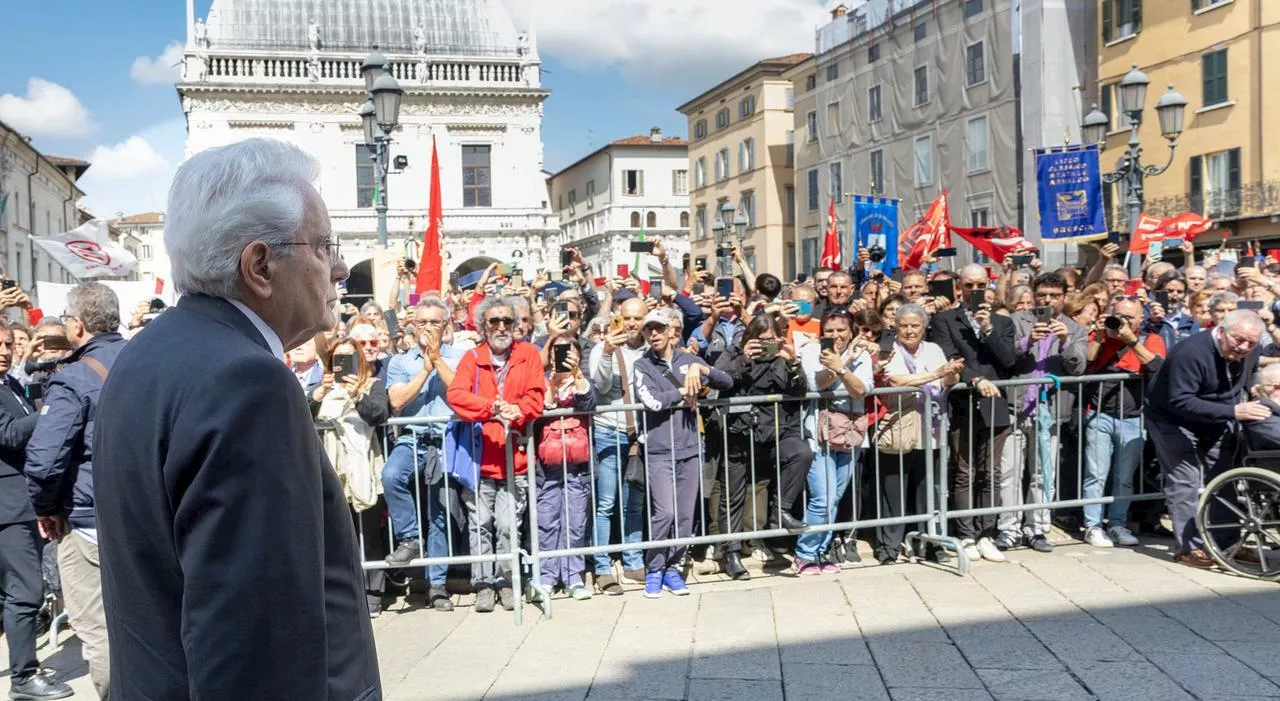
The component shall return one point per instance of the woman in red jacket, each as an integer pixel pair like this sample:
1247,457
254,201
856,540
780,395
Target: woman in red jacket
501,380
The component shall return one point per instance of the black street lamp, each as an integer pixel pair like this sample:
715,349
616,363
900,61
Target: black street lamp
728,221
379,117
1171,110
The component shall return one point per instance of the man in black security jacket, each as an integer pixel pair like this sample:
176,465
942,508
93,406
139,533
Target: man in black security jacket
1192,409
980,416
60,465
19,544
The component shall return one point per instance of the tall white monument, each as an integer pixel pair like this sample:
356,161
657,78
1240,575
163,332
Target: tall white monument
290,69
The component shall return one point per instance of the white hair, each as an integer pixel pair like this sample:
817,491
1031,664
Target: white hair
224,199
1242,318
1267,374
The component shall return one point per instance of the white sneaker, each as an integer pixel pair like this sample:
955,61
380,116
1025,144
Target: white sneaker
1096,537
1122,536
971,550
987,548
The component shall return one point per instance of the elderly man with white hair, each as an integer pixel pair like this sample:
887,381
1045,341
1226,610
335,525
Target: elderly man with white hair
1265,434
1193,406
229,560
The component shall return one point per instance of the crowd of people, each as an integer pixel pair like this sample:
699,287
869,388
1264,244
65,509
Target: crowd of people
505,351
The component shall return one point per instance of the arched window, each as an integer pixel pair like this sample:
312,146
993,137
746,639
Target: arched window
635,220
651,220
684,220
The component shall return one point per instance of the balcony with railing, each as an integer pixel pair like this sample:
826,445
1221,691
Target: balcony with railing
303,68
1257,199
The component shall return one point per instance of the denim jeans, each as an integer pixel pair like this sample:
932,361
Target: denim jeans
611,456
398,478
827,481
1112,447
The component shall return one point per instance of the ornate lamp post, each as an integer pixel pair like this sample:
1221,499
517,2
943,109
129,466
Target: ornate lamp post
1170,109
379,116
728,221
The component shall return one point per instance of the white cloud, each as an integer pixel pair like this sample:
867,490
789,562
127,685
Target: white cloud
162,69
133,176
47,110
687,42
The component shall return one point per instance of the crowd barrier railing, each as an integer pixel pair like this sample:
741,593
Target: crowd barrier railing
917,497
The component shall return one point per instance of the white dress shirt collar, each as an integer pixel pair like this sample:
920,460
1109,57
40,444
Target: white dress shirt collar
273,340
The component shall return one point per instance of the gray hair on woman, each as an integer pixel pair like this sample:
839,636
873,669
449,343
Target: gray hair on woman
224,199
911,309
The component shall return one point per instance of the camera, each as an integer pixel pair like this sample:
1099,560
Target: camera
875,253
1113,323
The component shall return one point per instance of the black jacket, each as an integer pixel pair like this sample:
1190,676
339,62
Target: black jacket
229,560
1265,434
17,420
769,377
993,357
1197,388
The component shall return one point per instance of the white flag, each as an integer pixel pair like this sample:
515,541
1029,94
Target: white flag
88,251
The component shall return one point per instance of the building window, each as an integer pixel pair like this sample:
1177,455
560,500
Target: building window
366,177
810,253
921,86
700,223
975,64
1215,183
680,182
651,220
475,176
873,52
722,164
747,107
789,216
747,206
873,104
684,220
1197,5
791,148
633,182
747,155
972,8
700,129
812,182
833,72
722,118
591,194
573,200
877,172
560,202
1214,72
791,98
923,148
810,82
920,31
635,220
145,253
977,139
979,217
1121,19
835,179
700,173
811,125
833,118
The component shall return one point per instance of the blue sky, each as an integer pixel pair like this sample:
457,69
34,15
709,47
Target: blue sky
89,79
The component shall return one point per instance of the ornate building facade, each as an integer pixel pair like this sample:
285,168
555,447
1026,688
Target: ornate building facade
290,69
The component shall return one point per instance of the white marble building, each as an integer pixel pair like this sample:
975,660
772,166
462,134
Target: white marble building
290,69
608,196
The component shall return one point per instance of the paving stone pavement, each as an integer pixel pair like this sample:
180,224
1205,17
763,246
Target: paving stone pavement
1079,623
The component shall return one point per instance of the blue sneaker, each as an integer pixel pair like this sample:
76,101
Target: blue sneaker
653,585
674,583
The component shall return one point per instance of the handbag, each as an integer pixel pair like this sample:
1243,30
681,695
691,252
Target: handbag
839,432
898,432
633,472
563,441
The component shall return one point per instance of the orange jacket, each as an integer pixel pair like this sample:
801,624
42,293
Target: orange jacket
525,386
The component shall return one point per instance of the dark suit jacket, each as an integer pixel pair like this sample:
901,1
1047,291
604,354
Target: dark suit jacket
17,421
993,357
229,560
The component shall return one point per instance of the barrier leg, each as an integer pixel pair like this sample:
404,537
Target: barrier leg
535,558
517,583
936,490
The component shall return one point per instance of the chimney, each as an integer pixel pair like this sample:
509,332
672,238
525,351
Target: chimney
839,11
655,135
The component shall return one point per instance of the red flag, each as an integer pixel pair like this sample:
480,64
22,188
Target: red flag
1148,230
995,242
932,232
159,286
1187,225
429,276
831,242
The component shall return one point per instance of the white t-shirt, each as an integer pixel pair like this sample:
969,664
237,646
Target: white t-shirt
928,357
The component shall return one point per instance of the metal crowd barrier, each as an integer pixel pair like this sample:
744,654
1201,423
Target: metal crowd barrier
931,522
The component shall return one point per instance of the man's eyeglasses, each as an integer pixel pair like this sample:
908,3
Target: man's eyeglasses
498,322
332,245
367,342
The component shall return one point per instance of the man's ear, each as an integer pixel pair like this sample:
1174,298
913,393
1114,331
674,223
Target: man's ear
255,269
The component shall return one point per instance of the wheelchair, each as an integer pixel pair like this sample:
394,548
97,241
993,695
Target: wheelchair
1242,507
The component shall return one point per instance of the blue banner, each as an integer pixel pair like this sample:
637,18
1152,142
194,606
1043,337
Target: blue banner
1069,185
875,226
